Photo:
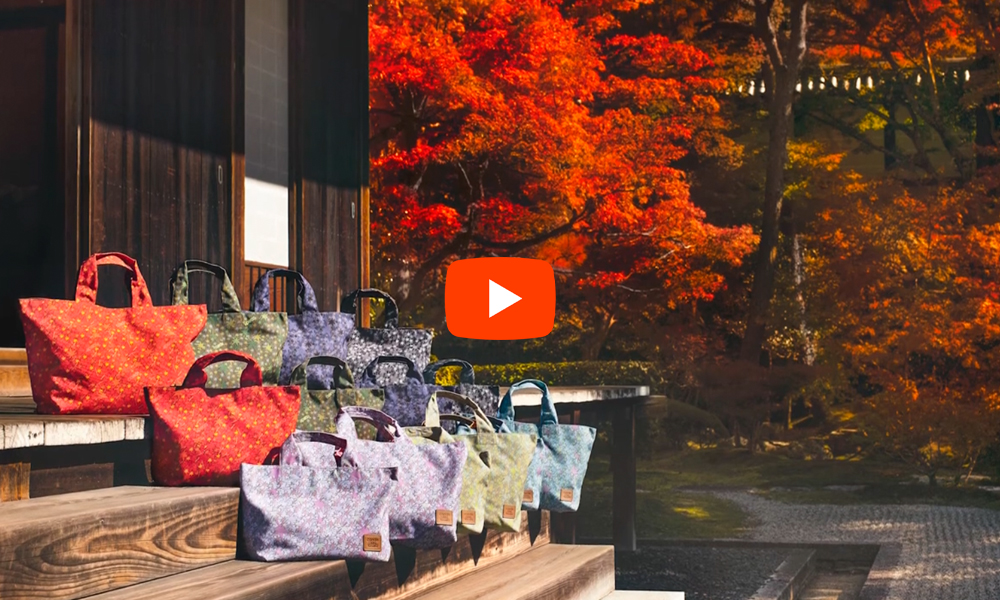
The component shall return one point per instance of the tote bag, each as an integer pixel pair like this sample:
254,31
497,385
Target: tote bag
88,359
366,344
261,335
292,512
560,461
424,507
310,332
510,458
322,402
405,401
486,396
201,436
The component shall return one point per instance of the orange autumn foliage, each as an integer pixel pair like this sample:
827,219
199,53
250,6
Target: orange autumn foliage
513,127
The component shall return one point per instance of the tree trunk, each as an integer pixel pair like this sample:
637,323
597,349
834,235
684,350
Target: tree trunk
798,266
889,138
784,67
595,343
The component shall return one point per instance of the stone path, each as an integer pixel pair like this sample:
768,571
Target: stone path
944,552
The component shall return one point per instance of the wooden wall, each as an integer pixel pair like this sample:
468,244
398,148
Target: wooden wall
329,144
165,135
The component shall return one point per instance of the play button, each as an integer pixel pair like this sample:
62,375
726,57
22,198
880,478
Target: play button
501,298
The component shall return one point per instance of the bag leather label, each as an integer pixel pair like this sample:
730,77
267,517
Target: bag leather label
509,511
372,542
444,517
468,517
529,496
566,495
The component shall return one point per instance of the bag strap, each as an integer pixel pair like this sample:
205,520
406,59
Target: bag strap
386,426
86,281
250,377
548,414
433,416
342,377
368,377
466,376
179,284
349,305
306,297
292,455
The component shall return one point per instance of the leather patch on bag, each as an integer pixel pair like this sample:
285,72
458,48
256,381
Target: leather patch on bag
372,542
444,517
468,517
529,496
566,495
509,511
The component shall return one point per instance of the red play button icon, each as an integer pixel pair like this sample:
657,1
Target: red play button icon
500,298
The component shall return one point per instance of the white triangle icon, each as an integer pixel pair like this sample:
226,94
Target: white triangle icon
501,298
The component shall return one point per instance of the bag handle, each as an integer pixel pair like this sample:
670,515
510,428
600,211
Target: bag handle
433,416
250,377
306,298
368,377
548,414
342,377
349,305
292,455
86,281
386,425
467,375
179,284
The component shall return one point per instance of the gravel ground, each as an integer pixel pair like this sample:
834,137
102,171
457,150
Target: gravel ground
945,552
702,573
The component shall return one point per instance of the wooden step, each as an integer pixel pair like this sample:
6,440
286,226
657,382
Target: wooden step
14,381
74,545
636,595
552,572
407,572
13,356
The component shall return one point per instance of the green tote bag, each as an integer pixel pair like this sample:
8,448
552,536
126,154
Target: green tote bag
510,458
261,335
319,408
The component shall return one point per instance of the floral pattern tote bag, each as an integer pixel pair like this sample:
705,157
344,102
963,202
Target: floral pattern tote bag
88,359
310,332
510,458
292,512
366,344
560,462
424,507
405,401
486,396
261,335
322,402
202,436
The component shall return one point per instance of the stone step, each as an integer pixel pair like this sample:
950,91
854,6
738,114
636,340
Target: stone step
70,546
408,572
552,572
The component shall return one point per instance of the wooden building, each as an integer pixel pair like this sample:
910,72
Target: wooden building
234,131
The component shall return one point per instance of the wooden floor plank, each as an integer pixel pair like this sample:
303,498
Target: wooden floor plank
74,545
552,572
407,573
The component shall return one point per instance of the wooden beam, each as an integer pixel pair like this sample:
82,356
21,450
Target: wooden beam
237,160
623,476
73,545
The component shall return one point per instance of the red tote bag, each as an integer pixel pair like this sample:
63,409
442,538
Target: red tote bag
202,436
88,359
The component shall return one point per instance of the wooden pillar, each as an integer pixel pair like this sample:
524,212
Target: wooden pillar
623,477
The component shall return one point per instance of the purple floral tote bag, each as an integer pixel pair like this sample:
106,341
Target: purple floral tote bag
424,506
405,401
293,512
487,397
310,332
559,465
366,344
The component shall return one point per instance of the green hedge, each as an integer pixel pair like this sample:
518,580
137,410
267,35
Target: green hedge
565,373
